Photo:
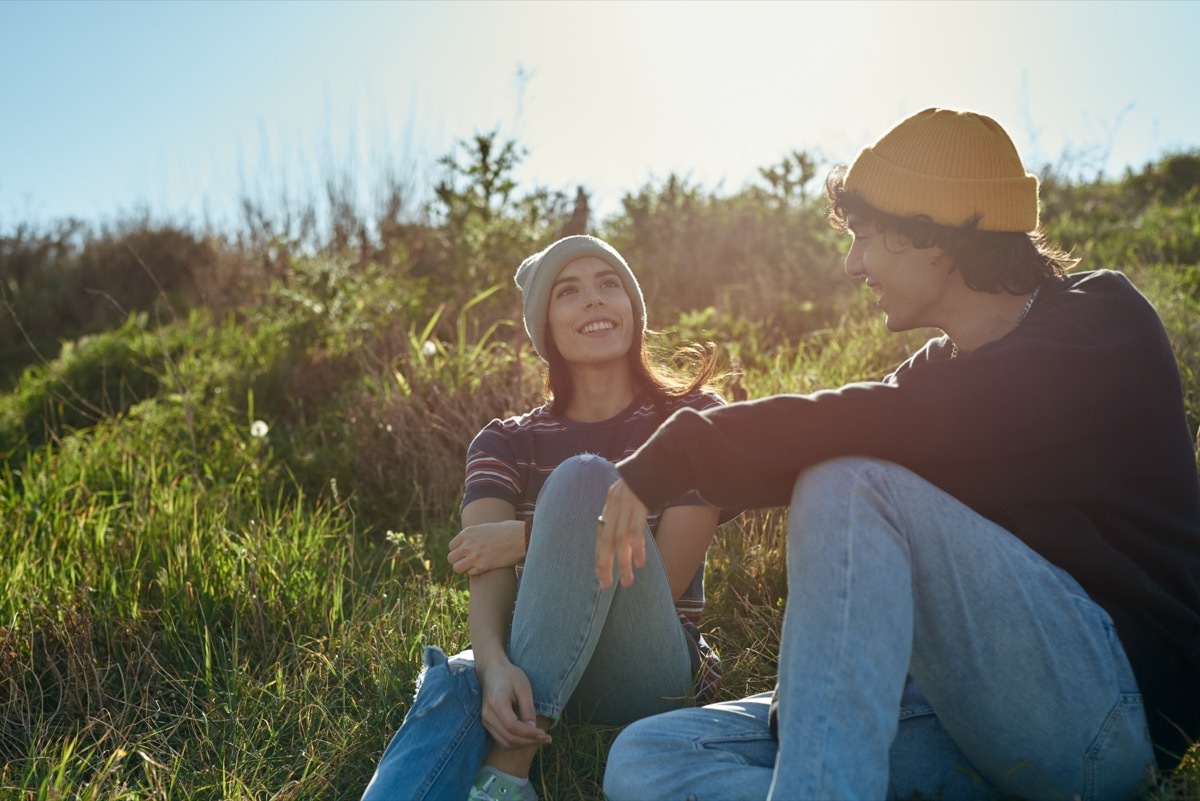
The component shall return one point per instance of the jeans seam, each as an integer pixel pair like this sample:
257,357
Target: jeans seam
554,709
818,750
1094,753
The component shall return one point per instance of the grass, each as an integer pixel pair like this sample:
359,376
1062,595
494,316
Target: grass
192,611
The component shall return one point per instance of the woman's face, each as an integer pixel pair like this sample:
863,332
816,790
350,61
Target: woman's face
591,318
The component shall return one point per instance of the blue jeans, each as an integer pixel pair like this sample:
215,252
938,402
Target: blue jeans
606,657
924,648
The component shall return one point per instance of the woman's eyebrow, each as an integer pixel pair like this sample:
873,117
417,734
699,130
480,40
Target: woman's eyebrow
575,279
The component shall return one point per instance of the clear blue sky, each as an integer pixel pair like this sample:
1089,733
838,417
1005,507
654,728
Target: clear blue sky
180,108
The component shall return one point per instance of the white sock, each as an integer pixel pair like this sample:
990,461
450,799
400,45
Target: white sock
517,780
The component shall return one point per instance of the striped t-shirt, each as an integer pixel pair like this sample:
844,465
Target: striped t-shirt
511,460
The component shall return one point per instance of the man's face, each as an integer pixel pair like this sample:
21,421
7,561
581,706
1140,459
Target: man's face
911,285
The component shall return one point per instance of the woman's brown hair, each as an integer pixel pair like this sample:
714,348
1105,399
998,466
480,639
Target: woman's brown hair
661,381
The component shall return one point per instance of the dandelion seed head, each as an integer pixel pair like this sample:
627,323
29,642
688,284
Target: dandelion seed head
259,429
428,349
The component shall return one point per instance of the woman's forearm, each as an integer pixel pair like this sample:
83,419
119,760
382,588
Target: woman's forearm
493,595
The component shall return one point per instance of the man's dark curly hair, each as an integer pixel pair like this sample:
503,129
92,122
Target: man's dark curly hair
990,261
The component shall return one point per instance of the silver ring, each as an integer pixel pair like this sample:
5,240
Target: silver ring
600,520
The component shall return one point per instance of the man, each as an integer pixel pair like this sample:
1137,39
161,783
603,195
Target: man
993,553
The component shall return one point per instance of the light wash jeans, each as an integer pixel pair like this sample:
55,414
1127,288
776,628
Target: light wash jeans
602,656
924,648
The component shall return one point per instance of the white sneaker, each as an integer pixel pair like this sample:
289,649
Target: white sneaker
492,785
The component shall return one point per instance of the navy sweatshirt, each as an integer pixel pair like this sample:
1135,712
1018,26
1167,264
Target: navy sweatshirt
1070,432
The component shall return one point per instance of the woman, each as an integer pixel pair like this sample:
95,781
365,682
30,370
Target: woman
604,656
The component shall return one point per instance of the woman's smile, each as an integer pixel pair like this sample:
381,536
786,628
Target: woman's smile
593,326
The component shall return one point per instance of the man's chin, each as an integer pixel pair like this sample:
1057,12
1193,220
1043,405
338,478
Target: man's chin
897,326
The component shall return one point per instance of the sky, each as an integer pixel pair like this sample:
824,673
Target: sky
180,109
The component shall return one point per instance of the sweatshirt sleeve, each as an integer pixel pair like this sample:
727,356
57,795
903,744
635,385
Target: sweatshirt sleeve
1075,366
744,455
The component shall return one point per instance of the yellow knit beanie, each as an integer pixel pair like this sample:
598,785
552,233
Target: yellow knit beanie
950,166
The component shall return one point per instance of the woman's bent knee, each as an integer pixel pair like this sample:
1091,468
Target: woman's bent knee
585,469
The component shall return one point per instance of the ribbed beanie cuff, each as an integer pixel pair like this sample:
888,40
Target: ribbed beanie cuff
537,274
950,166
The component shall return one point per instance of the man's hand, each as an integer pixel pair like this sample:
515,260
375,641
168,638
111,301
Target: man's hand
486,546
622,535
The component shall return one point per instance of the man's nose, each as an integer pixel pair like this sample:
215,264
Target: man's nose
854,262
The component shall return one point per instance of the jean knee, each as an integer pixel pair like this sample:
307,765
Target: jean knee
446,683
433,656
442,741
625,775
584,470
831,476
577,487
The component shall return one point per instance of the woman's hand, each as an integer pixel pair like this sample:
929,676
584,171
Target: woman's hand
486,546
508,711
622,535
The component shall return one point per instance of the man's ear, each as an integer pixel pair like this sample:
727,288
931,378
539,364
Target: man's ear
943,259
